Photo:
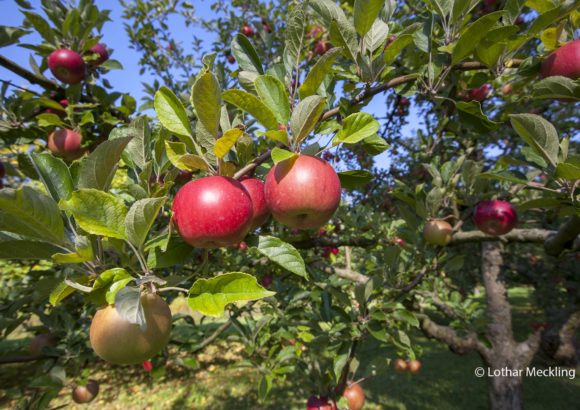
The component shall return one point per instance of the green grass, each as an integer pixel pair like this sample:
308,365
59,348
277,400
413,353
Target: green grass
446,381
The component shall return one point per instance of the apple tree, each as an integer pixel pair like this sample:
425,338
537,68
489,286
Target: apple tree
113,213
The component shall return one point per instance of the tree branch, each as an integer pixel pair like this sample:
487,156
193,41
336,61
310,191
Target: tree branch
25,359
448,335
516,235
28,75
564,237
253,165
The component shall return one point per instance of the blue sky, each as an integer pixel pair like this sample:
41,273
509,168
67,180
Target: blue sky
128,80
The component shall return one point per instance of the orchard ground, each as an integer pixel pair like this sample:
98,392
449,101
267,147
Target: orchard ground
446,381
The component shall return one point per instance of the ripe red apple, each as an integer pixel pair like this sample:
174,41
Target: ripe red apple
86,394
213,212
67,65
414,366
101,50
564,61
437,232
65,143
231,59
39,342
248,30
400,365
302,192
243,246
404,102
479,94
319,403
390,41
321,47
267,280
116,340
255,188
355,396
148,366
314,32
495,217
266,27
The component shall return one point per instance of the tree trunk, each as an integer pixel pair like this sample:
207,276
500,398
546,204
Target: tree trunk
506,393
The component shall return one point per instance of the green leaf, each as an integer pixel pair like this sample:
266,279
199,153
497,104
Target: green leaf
504,176
318,72
279,154
206,99
211,296
569,170
278,136
354,179
473,35
283,254
375,145
98,169
556,87
64,258
11,35
138,151
246,55
49,120
356,127
540,203
97,212
29,213
273,93
140,218
23,249
306,116
376,37
539,134
403,39
406,316
54,174
178,156
365,13
227,141
63,290
471,114
172,114
129,307
113,280
343,34
294,37
252,105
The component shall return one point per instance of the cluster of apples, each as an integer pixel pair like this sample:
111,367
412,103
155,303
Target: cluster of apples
353,393
321,45
69,66
411,366
219,211
494,217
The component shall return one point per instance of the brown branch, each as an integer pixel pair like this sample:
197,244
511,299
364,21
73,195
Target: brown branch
325,241
346,368
28,75
564,237
253,165
443,307
25,359
209,340
460,345
516,235
342,273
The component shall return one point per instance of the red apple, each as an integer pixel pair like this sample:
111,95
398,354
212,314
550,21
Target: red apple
321,47
400,365
414,366
302,192
184,177
255,188
495,217
404,102
2,170
67,65
390,41
355,396
148,366
231,59
266,27
243,246
213,212
101,50
266,281
86,394
564,61
479,94
65,143
319,403
248,31
437,232
315,32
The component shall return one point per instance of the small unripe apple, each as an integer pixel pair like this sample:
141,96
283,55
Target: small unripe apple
117,341
39,342
101,50
414,366
67,65
495,217
248,30
302,192
86,394
400,365
213,212
437,232
65,143
355,396
319,403
564,61
255,188
321,47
